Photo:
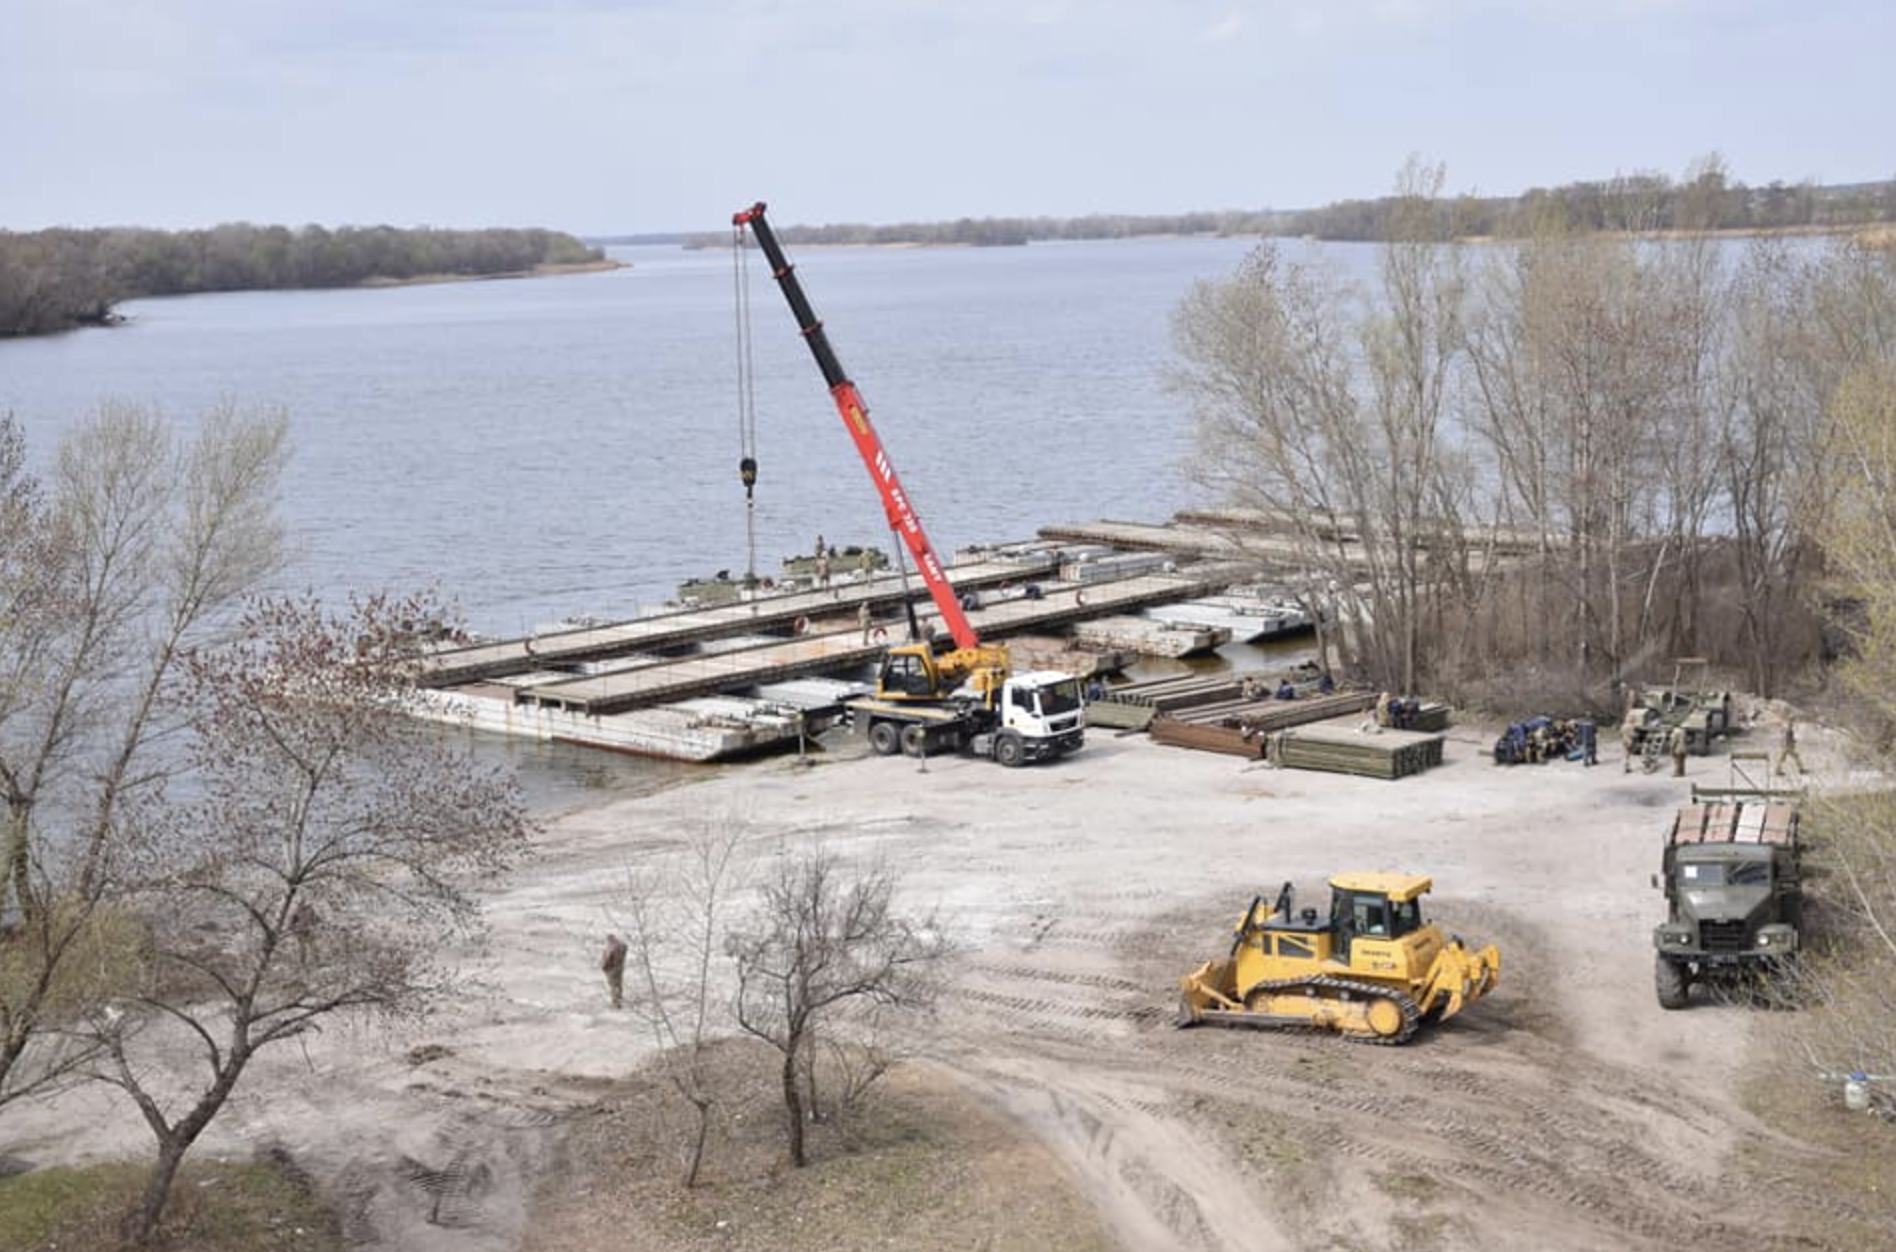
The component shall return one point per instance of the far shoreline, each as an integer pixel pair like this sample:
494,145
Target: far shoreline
551,269
110,318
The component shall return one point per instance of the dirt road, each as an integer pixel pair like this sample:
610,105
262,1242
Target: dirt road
1566,1111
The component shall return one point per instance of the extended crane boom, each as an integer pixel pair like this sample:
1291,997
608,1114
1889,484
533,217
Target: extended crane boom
855,413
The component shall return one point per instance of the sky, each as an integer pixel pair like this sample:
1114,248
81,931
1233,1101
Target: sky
628,116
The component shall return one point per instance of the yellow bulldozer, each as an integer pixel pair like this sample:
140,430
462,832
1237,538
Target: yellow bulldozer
1372,969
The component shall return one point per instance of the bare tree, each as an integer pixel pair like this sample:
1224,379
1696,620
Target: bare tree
672,914
322,866
1414,347
822,939
1331,419
138,546
1845,975
1593,384
1857,530
1772,455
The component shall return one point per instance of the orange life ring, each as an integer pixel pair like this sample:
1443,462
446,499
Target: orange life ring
1079,596
801,626
879,634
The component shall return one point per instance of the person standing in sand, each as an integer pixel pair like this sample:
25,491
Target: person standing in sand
613,965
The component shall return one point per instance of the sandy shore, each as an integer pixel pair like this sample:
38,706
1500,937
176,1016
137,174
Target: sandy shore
1551,1115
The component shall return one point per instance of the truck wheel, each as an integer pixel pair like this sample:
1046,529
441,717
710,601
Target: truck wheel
884,738
914,740
1669,980
1008,749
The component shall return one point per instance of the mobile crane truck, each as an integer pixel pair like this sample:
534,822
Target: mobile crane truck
932,694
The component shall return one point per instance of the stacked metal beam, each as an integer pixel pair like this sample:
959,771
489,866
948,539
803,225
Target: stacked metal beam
1133,706
1242,726
1269,716
1366,753
1207,738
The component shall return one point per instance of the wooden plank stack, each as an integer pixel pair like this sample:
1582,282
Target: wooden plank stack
1346,750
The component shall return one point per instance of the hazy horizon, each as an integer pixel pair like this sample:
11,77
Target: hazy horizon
620,117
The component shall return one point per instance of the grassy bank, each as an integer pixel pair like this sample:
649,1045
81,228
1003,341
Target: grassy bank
215,1207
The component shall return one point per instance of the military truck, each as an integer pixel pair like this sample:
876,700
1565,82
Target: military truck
1703,711
1734,901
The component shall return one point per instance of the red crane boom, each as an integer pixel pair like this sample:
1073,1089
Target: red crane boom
903,519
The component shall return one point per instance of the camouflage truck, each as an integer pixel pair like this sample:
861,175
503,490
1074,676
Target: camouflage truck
1703,711
1734,901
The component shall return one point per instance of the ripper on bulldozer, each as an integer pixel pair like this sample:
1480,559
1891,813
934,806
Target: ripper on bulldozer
1373,970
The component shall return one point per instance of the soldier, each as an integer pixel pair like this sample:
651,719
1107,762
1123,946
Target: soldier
822,549
863,619
1382,709
1787,749
613,964
822,567
303,923
1629,740
1676,742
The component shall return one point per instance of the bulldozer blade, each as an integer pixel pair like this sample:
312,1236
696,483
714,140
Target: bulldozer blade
1461,977
1199,993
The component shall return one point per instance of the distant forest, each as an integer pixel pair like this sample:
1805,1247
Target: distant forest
52,280
1706,199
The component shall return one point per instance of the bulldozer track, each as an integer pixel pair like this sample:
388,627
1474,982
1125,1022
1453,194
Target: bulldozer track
1347,987
1040,1008
1575,1155
1029,973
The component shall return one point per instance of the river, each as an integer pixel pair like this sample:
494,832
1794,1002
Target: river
570,444
544,447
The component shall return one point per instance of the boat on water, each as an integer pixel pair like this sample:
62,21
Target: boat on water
1249,617
845,563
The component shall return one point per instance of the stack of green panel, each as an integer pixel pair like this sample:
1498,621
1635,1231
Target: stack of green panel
1368,754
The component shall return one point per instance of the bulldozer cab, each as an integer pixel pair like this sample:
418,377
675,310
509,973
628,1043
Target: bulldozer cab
1374,906
1386,908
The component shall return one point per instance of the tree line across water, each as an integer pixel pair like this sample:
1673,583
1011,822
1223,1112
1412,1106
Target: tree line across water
53,280
1706,198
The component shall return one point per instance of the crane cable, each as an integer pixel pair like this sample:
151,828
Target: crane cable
746,400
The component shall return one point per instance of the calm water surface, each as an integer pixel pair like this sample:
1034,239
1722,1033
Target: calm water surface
564,445
569,444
